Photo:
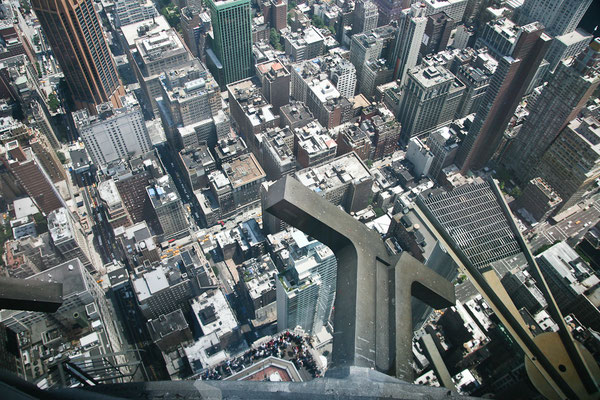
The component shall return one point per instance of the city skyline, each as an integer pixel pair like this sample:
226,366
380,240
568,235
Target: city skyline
371,197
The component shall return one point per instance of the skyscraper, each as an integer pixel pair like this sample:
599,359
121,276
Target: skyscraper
558,16
390,10
411,27
115,133
431,98
365,16
571,164
560,101
306,289
74,32
230,55
507,86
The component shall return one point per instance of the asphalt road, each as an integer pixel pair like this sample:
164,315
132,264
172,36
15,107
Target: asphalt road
574,226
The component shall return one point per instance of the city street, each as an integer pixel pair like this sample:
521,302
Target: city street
574,226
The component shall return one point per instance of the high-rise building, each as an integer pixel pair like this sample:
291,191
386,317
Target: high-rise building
153,48
190,101
437,33
557,16
560,101
472,217
168,207
508,84
366,14
22,163
74,32
572,163
114,133
411,28
572,282
275,80
275,13
163,290
132,11
304,45
306,288
68,239
231,53
567,46
455,9
371,46
83,320
390,10
344,181
116,212
431,98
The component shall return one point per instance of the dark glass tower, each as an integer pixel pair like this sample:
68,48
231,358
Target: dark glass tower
74,32
230,56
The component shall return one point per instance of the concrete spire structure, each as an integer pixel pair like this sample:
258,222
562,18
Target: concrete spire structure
230,58
561,101
74,32
507,86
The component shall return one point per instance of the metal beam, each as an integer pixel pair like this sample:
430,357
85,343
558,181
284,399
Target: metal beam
30,295
439,367
372,322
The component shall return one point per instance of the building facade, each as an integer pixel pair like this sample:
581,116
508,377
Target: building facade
231,54
75,34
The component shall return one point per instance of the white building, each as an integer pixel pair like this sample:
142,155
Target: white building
411,26
306,290
558,16
113,134
132,11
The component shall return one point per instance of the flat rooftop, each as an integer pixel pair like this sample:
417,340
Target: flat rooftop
243,170
148,26
338,172
69,273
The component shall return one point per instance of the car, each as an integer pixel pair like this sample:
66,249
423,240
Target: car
577,223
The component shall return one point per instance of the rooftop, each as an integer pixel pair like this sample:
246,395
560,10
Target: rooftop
150,283
304,38
24,207
166,324
313,138
59,225
136,30
163,191
243,170
340,171
213,313
106,111
571,268
197,158
109,193
70,274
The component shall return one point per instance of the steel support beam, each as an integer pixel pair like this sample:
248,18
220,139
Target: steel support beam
372,322
30,295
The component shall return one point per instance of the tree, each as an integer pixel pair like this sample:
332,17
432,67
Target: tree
275,39
318,22
291,5
61,157
172,15
41,223
53,102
